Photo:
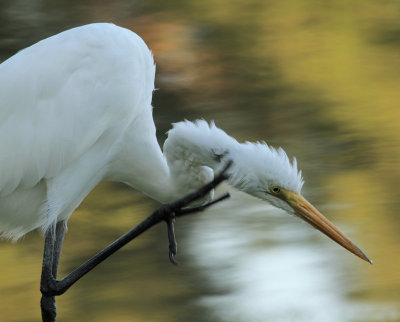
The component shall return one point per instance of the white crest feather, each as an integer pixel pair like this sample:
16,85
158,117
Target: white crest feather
256,166
262,166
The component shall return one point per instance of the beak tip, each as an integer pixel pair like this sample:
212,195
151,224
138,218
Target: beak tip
312,216
365,257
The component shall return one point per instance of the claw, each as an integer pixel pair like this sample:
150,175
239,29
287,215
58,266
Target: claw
172,258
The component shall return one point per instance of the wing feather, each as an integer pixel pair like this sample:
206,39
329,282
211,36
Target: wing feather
59,96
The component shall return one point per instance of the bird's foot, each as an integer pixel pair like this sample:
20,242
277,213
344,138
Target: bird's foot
169,212
170,220
173,246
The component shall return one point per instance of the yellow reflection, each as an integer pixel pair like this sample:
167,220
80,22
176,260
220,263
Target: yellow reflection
367,207
335,51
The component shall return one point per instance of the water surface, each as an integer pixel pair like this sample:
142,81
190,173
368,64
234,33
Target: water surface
320,79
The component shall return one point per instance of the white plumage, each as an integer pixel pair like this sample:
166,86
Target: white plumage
65,105
75,109
256,165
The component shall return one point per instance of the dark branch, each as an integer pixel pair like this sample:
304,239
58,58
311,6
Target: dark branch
51,287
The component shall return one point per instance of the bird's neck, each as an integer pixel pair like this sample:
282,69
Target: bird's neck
192,152
139,162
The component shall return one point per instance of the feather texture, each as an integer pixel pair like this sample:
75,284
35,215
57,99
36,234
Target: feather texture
75,109
256,166
64,103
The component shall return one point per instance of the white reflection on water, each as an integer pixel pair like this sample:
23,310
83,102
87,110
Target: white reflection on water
268,268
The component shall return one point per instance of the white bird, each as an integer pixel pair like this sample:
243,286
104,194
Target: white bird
75,109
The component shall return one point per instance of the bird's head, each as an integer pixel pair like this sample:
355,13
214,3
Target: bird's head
268,174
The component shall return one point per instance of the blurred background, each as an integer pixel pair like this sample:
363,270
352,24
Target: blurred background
319,78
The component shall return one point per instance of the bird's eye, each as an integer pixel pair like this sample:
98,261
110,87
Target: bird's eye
275,189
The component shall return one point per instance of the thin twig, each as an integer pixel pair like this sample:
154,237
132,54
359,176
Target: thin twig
192,210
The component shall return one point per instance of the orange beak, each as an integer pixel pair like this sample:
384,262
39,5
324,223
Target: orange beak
311,215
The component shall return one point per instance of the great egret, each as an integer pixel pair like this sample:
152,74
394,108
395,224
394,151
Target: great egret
76,110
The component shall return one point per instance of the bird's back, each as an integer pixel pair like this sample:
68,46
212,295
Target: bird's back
62,96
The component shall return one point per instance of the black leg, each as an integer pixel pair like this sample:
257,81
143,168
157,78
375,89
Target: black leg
51,258
60,232
51,287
